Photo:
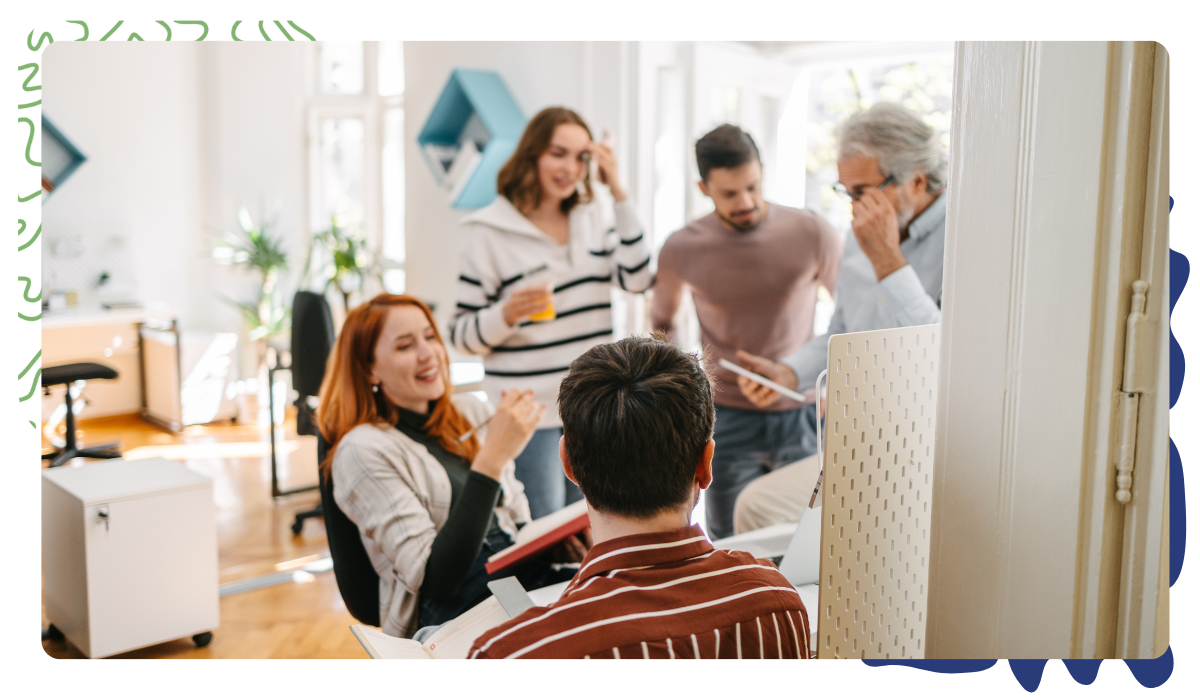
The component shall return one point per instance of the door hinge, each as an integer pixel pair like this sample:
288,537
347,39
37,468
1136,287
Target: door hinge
1134,383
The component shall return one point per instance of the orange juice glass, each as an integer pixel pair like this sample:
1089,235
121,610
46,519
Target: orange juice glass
537,277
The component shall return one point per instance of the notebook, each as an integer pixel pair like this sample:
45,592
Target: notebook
454,639
540,535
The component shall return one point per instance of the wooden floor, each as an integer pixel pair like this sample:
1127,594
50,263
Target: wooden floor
304,619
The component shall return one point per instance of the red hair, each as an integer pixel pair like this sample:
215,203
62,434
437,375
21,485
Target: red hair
346,397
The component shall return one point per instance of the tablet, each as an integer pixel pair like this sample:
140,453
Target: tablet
738,369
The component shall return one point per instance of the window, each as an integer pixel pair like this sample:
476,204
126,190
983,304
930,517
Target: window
837,91
356,139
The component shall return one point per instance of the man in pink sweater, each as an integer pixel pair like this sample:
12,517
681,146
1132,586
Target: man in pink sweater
753,269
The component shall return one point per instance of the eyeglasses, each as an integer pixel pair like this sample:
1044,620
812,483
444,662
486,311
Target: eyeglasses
855,196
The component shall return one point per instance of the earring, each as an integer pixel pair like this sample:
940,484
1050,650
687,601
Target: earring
374,388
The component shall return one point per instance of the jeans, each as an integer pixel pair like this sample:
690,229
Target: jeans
533,574
540,471
749,445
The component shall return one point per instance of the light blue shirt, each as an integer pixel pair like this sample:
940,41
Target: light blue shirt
910,296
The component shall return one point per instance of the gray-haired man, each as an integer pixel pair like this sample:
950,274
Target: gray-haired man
891,166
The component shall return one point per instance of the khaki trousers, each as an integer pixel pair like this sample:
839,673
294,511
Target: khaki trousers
778,497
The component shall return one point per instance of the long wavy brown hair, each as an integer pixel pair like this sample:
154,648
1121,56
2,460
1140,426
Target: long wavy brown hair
518,180
347,400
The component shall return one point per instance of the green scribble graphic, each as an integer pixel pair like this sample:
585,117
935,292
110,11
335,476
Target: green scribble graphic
27,85
263,31
36,376
204,25
285,32
29,242
23,317
27,283
38,47
110,32
29,143
20,226
134,35
34,425
166,27
28,197
82,24
233,30
297,28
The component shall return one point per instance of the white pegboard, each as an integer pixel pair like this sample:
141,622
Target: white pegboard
882,402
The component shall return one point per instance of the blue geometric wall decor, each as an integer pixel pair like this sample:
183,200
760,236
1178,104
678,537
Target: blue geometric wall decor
60,157
470,133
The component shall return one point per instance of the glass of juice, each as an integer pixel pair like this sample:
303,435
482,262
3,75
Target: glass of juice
537,277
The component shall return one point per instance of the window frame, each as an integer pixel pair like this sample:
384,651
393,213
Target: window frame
371,108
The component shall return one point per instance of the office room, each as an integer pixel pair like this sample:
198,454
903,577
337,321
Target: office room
800,234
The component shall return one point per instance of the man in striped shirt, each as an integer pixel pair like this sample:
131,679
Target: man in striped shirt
637,439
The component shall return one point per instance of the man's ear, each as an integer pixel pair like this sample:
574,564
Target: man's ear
920,183
704,466
703,188
562,456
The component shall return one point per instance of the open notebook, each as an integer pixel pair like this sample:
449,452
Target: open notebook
540,535
452,640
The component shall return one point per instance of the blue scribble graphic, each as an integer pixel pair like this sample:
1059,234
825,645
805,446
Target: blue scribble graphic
939,665
1083,670
1152,673
1179,276
1028,672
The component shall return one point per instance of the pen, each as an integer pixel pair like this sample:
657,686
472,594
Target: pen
469,433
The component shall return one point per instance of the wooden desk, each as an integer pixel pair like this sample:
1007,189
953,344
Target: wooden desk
142,345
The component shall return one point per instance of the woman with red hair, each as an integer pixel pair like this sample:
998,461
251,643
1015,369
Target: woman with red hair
431,506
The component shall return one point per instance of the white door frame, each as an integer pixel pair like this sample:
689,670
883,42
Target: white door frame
1025,527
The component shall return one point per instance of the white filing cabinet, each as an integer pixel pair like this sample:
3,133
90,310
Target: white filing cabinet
129,554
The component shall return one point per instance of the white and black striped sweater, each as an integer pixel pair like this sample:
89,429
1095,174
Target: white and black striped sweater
501,245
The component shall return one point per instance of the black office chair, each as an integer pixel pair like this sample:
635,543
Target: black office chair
69,374
356,578
313,336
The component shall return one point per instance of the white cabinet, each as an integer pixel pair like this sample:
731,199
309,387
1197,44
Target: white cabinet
129,554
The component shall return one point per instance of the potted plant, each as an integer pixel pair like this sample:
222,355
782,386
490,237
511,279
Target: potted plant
254,248
349,263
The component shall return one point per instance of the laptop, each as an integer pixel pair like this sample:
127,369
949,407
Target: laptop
801,564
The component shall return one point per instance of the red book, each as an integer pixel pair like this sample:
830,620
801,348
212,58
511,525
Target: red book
540,535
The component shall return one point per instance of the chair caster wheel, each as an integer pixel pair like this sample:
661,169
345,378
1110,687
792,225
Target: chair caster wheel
52,634
202,640
297,527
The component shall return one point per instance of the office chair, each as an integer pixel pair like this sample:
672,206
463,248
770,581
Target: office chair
313,336
356,577
69,374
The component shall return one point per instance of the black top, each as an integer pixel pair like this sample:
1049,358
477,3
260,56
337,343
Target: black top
473,499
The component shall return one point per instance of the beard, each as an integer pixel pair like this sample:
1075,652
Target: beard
751,223
904,212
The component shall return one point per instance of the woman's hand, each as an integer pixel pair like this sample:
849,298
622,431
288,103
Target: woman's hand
526,302
573,549
603,155
509,431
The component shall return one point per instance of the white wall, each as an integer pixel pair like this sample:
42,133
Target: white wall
589,77
134,111
177,137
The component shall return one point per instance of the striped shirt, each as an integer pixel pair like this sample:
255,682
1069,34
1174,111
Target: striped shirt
663,595
606,249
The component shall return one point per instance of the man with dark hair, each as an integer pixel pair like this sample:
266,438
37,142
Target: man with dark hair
753,269
637,438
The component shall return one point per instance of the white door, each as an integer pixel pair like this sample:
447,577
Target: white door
1058,204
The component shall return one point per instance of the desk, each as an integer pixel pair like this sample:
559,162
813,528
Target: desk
141,344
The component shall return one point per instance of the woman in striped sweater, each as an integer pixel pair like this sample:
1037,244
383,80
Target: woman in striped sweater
545,217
